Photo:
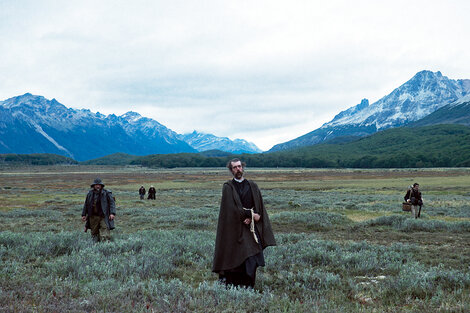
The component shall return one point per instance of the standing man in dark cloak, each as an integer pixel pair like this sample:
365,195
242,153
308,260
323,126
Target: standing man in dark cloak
152,191
243,230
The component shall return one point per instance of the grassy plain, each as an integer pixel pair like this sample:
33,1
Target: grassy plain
343,242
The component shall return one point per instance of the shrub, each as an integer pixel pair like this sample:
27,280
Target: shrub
416,282
317,220
408,224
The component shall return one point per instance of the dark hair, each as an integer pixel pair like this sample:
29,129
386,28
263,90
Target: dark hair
229,164
415,184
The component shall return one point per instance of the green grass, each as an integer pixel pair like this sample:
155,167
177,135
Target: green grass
343,242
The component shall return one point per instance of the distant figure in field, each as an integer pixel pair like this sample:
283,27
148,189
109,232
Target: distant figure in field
243,230
152,193
99,211
413,196
142,192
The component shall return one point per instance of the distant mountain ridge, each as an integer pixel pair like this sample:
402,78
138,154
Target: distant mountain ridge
438,146
34,124
204,142
423,94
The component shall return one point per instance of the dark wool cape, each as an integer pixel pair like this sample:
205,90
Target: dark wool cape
234,242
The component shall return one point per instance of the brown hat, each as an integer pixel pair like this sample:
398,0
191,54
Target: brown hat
97,182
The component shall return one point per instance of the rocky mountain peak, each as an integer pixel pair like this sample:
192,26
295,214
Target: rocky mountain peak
426,74
364,104
131,116
423,94
32,105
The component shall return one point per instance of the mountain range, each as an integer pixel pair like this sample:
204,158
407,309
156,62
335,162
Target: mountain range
205,142
399,147
34,124
422,95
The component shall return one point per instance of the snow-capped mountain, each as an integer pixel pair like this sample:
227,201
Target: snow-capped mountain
34,124
423,94
204,142
457,112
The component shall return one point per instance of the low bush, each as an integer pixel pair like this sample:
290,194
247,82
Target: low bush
26,213
414,281
171,271
317,220
408,224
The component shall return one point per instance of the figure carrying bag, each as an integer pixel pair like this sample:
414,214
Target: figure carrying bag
406,206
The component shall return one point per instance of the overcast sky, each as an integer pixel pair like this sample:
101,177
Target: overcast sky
264,71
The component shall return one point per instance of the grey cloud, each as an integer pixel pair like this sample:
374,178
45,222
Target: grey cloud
287,68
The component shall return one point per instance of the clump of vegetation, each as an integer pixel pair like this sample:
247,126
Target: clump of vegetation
414,282
316,220
407,224
343,243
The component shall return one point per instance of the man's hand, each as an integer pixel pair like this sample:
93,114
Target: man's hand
247,221
256,217
111,217
84,218
409,201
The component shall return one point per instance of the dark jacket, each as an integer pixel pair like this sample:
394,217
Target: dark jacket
414,196
142,191
234,242
107,205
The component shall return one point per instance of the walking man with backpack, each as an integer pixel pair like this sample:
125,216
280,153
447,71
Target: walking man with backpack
413,196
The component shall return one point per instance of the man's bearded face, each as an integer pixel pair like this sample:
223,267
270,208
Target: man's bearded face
237,169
